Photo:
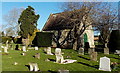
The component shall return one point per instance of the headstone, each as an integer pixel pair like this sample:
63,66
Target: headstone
23,54
37,55
63,71
6,49
104,64
81,51
93,56
24,48
49,51
117,52
106,50
36,48
91,50
15,63
59,58
58,51
33,67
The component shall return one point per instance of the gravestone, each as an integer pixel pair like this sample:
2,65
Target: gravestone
33,66
59,58
104,64
49,51
106,51
91,50
6,49
117,52
23,54
24,48
37,55
58,51
36,48
93,56
81,51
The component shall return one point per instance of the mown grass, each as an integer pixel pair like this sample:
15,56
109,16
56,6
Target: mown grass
83,61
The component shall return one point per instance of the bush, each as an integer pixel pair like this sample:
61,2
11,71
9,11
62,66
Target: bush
114,42
43,39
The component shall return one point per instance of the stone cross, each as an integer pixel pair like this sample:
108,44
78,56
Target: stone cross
81,51
33,67
49,51
24,48
106,50
93,56
36,48
104,64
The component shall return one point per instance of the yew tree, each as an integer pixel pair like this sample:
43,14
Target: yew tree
28,22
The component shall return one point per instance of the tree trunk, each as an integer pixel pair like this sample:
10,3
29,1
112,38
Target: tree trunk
75,45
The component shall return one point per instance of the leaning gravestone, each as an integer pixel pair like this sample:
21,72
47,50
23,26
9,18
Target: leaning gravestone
36,48
106,50
49,51
81,51
33,66
93,56
104,64
24,48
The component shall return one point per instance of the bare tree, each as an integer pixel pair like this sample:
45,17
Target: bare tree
77,15
106,20
11,26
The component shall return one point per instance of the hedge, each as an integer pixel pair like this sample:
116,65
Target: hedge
114,42
43,39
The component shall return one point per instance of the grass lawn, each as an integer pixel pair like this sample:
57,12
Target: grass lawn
83,61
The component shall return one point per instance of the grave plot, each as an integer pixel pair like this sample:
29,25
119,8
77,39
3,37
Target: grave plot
18,60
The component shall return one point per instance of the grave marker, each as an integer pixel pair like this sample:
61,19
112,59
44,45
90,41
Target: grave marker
104,64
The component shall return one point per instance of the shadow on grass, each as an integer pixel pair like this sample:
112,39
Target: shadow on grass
28,66
52,71
84,58
115,58
52,60
95,66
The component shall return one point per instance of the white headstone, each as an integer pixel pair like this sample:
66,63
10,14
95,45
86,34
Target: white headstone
49,51
5,49
24,48
59,58
33,67
58,51
104,64
81,51
36,48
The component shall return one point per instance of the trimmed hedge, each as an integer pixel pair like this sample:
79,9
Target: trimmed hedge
114,42
43,39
